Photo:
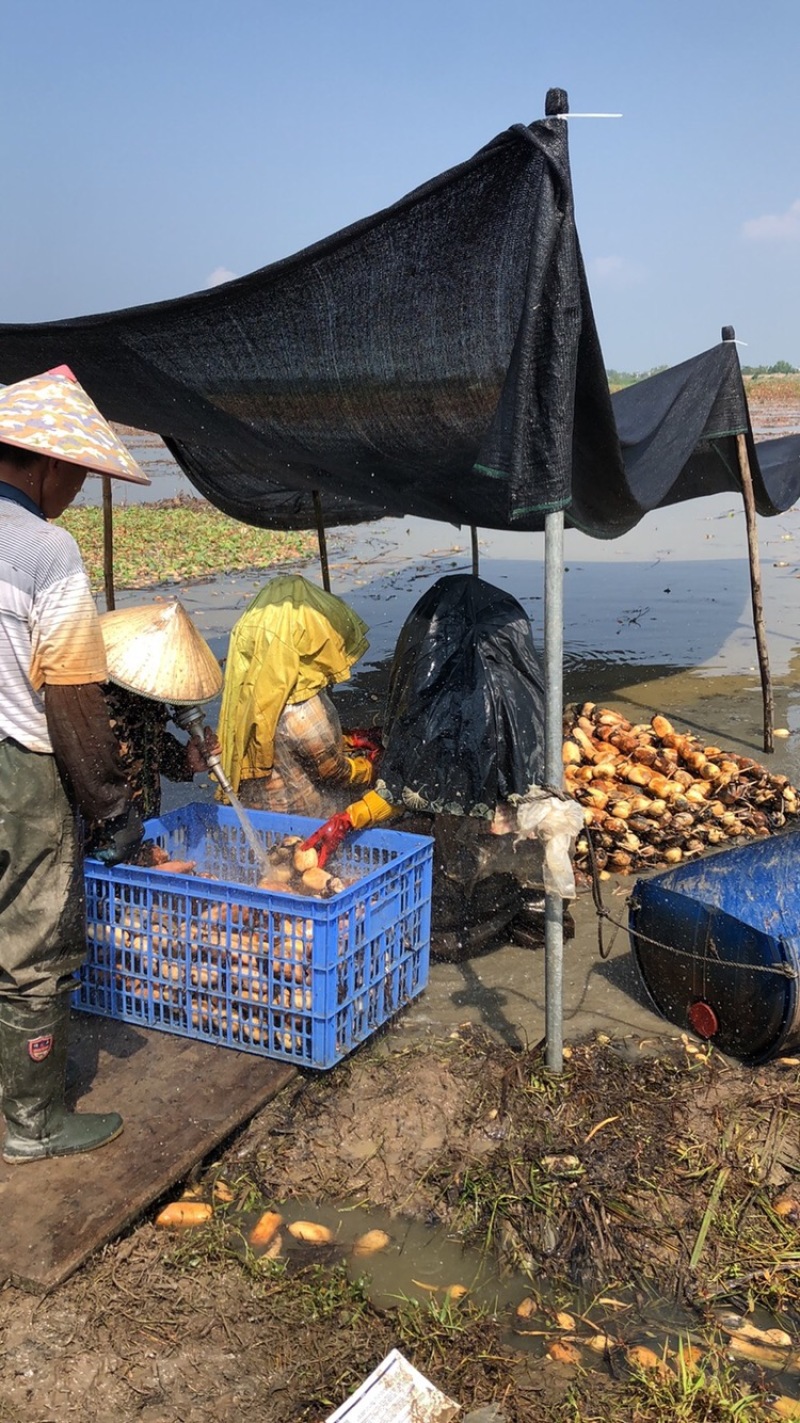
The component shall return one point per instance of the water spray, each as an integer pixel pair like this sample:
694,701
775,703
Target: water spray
191,719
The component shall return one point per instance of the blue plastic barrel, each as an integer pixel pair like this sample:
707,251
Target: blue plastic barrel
716,942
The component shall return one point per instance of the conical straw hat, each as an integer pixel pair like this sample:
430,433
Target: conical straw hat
157,651
51,414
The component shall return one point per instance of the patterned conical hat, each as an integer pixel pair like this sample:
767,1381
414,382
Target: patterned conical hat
51,414
156,650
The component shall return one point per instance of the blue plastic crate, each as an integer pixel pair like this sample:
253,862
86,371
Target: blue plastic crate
281,975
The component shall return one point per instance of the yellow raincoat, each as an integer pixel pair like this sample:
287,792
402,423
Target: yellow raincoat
293,641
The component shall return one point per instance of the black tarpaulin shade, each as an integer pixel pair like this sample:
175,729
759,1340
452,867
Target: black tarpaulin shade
430,360
678,436
439,359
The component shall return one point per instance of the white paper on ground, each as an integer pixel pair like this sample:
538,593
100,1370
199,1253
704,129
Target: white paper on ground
396,1392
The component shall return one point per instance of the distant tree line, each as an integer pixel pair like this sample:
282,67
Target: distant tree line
617,378
780,368
621,378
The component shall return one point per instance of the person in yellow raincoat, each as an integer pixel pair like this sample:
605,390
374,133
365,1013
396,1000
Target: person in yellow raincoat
282,745
463,736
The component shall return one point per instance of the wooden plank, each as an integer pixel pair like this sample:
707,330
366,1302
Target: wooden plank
179,1099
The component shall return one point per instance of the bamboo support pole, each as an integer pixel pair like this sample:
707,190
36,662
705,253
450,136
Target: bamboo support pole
755,589
323,546
108,546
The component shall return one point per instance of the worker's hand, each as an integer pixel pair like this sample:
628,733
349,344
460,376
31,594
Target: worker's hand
329,836
365,742
197,756
117,839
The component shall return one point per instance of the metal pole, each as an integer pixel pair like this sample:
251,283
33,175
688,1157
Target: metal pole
474,535
108,546
556,102
323,547
554,774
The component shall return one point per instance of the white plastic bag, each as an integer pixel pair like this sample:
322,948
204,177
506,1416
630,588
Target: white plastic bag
557,823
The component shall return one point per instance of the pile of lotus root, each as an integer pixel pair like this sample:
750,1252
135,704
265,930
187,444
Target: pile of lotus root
654,796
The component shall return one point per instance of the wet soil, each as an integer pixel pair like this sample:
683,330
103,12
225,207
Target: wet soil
598,1191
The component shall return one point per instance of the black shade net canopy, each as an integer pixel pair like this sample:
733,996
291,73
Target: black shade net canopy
438,359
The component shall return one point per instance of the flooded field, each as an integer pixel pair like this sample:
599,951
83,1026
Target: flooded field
657,620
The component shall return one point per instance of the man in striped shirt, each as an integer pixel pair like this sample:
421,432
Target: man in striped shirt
58,753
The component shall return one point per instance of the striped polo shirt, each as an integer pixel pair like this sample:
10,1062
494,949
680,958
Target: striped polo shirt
49,626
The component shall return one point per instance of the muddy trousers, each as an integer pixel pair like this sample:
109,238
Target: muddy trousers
42,944
42,903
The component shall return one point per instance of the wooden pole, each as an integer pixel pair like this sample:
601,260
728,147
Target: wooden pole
323,547
755,588
108,545
474,533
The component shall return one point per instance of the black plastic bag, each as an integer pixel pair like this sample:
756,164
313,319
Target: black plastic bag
464,723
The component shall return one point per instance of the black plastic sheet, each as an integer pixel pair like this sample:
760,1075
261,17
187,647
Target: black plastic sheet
437,359
464,720
431,360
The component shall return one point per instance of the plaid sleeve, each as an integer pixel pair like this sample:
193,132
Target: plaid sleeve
318,742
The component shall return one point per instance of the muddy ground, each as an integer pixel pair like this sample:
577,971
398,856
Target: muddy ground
644,1200
642,1203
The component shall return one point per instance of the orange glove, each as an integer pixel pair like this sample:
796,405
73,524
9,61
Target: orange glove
368,742
362,771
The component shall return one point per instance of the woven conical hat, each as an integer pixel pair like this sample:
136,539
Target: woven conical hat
157,651
51,414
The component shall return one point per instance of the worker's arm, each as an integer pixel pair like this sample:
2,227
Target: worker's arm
181,761
196,756
86,749
68,669
371,809
319,745
86,753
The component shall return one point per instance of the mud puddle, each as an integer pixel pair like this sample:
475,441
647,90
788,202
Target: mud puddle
401,1261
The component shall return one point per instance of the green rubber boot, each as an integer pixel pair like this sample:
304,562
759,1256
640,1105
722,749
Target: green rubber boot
33,1061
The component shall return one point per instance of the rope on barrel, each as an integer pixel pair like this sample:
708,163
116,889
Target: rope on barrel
780,970
597,898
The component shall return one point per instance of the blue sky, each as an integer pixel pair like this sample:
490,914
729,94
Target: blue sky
155,147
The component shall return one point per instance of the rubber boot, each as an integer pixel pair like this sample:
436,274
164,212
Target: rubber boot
33,1061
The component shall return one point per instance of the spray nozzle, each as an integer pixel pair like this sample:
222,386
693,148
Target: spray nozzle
191,719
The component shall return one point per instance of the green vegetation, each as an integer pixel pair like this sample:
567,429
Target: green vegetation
780,368
175,544
618,379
